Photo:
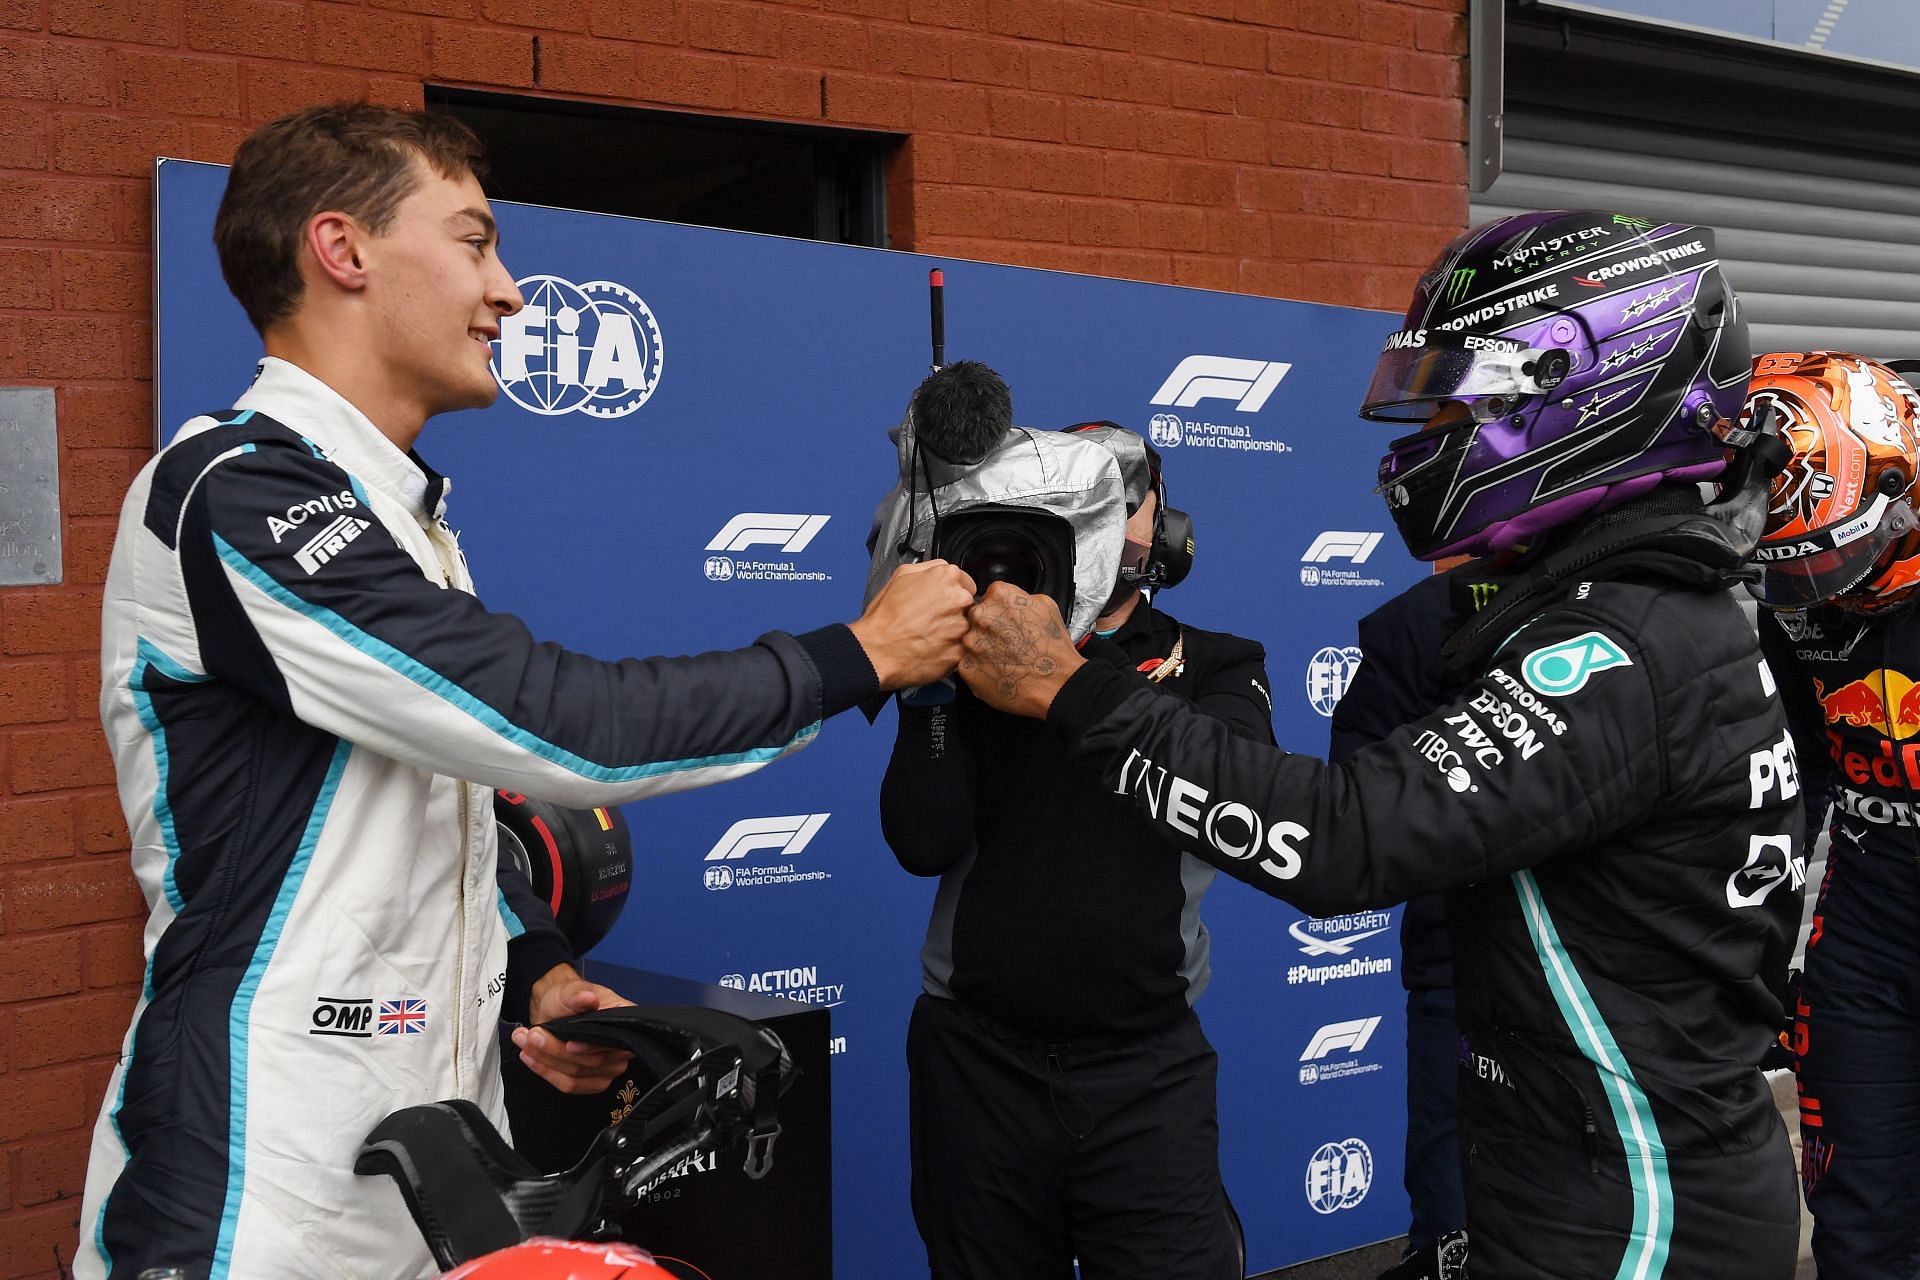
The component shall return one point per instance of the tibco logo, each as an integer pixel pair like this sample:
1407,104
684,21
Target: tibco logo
787,835
753,528
590,348
1197,378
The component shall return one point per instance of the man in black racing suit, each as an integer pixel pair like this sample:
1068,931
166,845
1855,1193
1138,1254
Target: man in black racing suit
1612,804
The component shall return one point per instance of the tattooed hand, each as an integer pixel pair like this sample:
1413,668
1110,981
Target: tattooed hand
1016,651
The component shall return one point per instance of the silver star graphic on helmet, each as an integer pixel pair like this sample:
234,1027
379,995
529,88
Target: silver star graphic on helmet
1640,306
1627,355
1595,403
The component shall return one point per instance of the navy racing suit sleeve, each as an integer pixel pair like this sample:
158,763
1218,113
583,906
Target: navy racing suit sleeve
365,647
535,943
1803,719
1556,747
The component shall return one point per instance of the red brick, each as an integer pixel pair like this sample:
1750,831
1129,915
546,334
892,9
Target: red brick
1305,57
50,347
1270,190
38,967
548,15
35,1238
133,211
57,209
688,79
433,8
656,21
1173,133
987,60
463,51
99,824
50,620
23,140
37,830
1032,116
908,51
93,481
29,277
920,159
261,28
1433,74
69,1029
1443,118
1033,218
1204,89
1136,264
1067,171
140,21
1353,62
1330,18
1234,138
1427,161
6,1165
1132,176
599,67
1440,33
954,211
1111,126
1222,9
33,1103
1125,78
819,41
177,85
1362,153
1071,73
97,280
1097,24
872,100
1243,48
892,10
114,144
1273,279
950,108
113,953
29,15
86,550
117,417
32,693
349,36
1056,257
1174,36
274,91
733,27
401,95
52,1170
781,91
214,143
1301,146
1204,184
139,348
1105,223
69,894
1173,227
968,15
1238,233
1029,19
1199,271
57,71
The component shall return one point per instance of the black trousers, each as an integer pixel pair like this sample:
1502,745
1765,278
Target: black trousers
1433,1137
1029,1153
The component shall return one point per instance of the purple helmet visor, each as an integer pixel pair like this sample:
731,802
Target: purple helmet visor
1800,572
1421,369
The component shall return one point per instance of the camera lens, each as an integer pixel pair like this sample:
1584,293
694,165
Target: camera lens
1003,556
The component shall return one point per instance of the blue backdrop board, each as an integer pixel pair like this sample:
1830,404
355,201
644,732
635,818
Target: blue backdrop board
689,452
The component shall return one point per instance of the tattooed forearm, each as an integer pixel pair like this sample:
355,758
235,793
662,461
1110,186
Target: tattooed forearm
1013,638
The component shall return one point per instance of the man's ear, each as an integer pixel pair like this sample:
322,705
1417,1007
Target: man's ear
336,242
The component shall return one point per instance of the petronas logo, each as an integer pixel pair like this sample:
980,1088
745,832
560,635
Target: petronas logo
1564,668
1458,286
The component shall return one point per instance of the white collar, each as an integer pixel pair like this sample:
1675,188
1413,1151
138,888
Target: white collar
301,402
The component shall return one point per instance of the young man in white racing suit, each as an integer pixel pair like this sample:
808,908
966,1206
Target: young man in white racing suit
308,709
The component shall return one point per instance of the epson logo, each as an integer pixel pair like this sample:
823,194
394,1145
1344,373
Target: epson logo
1473,342
1197,378
590,348
791,533
301,512
1234,829
1351,1036
787,835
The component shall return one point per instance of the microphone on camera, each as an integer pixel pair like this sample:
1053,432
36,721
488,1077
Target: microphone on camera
961,411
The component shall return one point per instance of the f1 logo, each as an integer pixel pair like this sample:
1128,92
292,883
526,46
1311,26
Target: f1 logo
1199,378
1341,544
1351,1036
789,835
752,528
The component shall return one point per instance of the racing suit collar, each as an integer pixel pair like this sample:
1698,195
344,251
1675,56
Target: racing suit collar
287,393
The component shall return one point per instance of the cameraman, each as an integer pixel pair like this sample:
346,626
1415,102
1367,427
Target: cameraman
1062,1089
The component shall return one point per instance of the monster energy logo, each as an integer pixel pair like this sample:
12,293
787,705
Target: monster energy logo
1560,669
1458,286
1481,593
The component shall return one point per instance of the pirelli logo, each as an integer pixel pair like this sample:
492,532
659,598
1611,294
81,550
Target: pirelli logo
329,542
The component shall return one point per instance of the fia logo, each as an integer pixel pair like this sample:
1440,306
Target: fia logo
718,878
1339,1175
1165,430
590,348
1329,672
719,569
734,981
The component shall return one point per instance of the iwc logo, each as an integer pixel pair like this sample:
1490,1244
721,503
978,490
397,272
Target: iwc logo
590,348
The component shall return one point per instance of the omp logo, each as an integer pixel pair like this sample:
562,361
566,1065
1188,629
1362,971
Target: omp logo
329,542
1339,945
590,348
1329,672
333,1016
1197,378
754,528
301,512
1339,1175
1341,544
1351,1036
788,836
1166,430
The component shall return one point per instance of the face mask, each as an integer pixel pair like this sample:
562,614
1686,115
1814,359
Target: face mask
1133,562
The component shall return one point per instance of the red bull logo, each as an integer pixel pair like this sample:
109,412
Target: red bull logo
1884,700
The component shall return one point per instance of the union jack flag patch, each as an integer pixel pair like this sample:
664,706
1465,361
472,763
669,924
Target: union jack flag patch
402,1017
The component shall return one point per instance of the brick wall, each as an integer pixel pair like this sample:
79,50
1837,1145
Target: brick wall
1303,148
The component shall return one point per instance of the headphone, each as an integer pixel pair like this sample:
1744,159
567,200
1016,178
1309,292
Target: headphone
1170,555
